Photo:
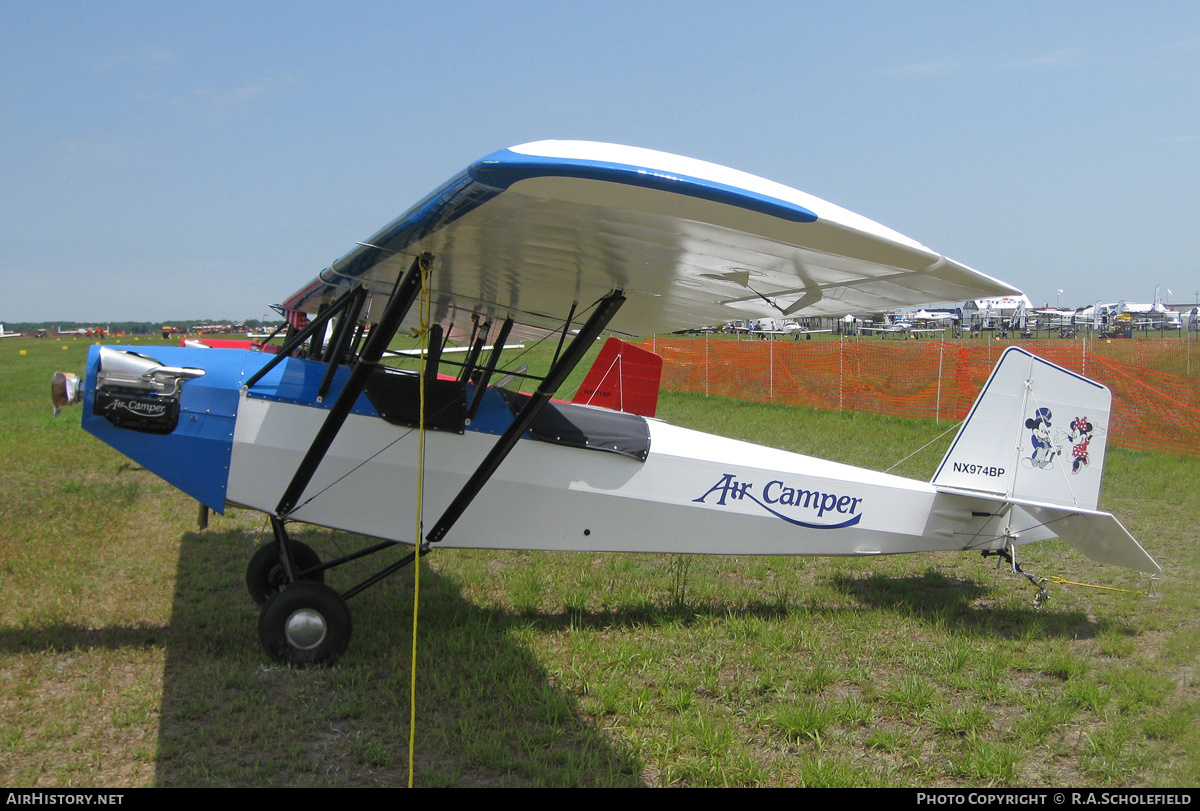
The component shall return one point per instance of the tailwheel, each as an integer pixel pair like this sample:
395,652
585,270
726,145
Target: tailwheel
305,624
265,574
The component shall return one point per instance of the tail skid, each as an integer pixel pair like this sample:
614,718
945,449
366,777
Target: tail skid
1035,440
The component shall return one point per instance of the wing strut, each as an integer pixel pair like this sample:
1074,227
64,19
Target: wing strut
606,309
294,342
494,358
479,336
342,333
400,302
433,357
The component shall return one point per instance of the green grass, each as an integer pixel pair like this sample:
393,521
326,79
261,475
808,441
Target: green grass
128,652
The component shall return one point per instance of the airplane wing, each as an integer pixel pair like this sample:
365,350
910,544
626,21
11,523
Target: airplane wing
530,231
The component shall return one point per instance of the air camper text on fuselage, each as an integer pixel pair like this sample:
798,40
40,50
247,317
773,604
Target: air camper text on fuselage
779,499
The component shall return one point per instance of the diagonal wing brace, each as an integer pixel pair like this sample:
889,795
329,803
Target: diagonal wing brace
562,367
405,293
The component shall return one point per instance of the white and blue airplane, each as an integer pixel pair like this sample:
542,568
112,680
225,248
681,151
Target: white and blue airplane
574,239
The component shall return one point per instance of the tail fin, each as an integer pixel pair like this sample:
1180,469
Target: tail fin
623,378
1037,433
1035,439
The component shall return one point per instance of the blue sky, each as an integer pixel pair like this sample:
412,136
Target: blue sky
188,160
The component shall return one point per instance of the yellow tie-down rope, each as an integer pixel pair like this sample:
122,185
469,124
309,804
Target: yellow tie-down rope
423,334
1053,578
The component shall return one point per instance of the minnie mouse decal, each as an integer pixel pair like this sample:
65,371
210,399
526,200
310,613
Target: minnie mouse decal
1082,432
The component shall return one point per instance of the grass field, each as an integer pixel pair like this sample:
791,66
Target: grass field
128,652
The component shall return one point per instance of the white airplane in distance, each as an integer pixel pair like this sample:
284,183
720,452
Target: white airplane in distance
1134,308
1053,317
1095,317
926,315
1067,322
904,328
770,328
5,334
1155,315
567,240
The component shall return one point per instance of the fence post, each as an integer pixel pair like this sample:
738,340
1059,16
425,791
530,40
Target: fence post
937,419
771,371
706,364
841,375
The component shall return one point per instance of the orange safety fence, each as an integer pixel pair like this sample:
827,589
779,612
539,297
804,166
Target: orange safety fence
1153,410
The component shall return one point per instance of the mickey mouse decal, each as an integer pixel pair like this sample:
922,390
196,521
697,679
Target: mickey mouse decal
1044,449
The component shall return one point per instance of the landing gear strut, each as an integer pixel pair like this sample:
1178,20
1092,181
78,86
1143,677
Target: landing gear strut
303,621
265,574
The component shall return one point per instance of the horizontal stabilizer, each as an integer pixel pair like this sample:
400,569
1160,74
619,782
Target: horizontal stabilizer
1098,535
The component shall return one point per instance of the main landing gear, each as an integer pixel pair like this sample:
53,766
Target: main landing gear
266,576
303,621
305,624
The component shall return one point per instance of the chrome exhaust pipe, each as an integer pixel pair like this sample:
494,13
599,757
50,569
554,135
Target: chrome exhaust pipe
64,390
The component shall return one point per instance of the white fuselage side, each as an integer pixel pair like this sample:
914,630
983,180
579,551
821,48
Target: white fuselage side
695,492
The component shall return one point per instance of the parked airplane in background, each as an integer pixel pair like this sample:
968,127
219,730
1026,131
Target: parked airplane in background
4,334
1054,318
770,328
1126,315
1134,308
939,316
1094,318
901,327
568,240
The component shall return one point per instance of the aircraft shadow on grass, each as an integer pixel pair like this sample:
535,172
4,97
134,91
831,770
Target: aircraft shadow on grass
933,597
487,712
62,637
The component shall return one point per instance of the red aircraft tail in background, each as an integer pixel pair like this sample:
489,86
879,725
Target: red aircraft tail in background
623,378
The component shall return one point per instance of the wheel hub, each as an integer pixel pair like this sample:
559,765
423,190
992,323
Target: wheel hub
305,629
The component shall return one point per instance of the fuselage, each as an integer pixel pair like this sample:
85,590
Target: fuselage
585,479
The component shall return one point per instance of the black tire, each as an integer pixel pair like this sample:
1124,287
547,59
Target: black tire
265,575
305,624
